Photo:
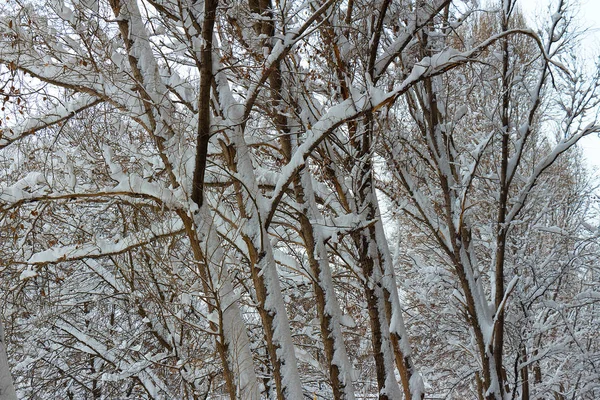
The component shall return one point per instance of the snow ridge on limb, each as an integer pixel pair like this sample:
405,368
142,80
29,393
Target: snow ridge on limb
158,109
542,165
397,326
105,247
58,115
332,311
145,67
415,24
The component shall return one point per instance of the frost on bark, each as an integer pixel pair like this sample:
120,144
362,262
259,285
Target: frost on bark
7,390
254,199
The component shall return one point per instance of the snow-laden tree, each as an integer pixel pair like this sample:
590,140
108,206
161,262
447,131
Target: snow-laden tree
481,157
191,201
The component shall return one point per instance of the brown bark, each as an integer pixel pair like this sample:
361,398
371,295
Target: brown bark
373,291
206,77
501,233
325,319
479,384
403,363
524,376
266,318
260,288
372,298
124,29
220,342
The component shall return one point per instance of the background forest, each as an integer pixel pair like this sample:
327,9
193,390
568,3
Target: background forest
284,199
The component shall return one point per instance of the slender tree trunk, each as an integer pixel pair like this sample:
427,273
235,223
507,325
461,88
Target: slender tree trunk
232,341
365,240
328,309
501,229
524,375
7,390
204,123
264,273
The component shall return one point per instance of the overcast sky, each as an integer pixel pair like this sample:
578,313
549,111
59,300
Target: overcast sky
589,16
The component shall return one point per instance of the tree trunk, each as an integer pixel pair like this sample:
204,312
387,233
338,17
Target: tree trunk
7,390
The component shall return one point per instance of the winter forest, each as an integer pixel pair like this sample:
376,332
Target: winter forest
297,199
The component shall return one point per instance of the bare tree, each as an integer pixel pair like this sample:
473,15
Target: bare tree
193,200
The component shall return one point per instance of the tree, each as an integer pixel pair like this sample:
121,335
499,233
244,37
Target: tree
191,200
480,150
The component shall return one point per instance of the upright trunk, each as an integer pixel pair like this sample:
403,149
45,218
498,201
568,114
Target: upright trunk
374,246
232,340
7,390
328,309
206,78
264,273
501,228
272,311
393,329
457,245
412,383
374,285
524,375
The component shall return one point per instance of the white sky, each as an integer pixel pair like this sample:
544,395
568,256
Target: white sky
589,17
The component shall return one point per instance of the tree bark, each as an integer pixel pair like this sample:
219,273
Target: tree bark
7,389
